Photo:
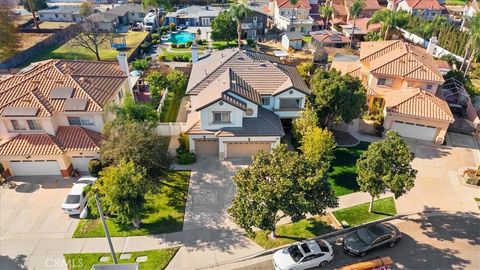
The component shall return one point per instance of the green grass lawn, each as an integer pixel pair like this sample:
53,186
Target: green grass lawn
69,51
343,173
171,106
307,38
157,259
164,212
359,214
293,232
187,52
455,2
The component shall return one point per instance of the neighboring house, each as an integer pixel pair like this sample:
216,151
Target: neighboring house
443,66
96,2
104,21
68,13
341,10
361,28
292,18
426,9
128,13
292,40
52,113
403,81
327,38
193,16
239,101
256,23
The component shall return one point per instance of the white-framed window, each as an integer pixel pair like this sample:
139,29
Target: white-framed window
34,125
385,82
221,117
429,87
18,125
80,121
290,103
266,101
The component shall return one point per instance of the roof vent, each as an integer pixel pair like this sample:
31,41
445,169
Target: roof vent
240,58
59,82
36,81
262,65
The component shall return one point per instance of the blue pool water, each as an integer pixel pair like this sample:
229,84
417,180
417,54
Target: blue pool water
181,37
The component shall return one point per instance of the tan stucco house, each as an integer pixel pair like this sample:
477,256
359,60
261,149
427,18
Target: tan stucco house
404,81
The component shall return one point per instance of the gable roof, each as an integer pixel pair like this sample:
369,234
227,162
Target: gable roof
287,4
95,82
425,4
123,9
77,138
329,37
367,5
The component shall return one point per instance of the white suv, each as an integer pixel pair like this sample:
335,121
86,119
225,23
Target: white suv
77,198
303,255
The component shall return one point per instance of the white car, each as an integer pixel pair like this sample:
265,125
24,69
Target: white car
77,198
303,255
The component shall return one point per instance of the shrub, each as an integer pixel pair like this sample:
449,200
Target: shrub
163,30
161,58
200,42
155,41
181,46
174,45
155,36
183,141
186,158
250,42
145,46
189,43
148,58
94,167
141,64
186,58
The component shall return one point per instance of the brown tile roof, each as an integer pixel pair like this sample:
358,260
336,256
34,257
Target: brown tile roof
68,138
287,4
425,4
95,81
361,23
329,37
420,103
442,64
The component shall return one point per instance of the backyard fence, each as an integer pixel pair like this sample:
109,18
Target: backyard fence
171,128
162,100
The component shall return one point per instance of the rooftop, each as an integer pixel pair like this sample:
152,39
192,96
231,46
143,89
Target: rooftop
287,4
196,11
329,37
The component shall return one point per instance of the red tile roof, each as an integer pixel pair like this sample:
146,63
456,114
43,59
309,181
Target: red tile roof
287,4
76,138
425,4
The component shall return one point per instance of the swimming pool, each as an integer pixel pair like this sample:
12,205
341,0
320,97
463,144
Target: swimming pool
181,37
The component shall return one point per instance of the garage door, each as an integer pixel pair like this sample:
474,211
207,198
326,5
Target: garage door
246,149
206,147
416,131
81,162
34,167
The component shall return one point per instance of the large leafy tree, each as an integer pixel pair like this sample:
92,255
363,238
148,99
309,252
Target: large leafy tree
317,147
240,12
306,69
130,111
337,98
354,11
306,120
141,144
33,6
90,37
10,40
157,82
177,81
386,165
389,21
121,188
276,185
326,11
223,27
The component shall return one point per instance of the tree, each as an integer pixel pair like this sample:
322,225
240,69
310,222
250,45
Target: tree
389,20
326,11
10,40
140,64
166,4
386,164
90,37
473,44
33,6
306,120
122,191
372,36
141,144
306,69
86,9
337,98
157,82
223,27
278,182
239,13
317,147
130,111
177,81
354,11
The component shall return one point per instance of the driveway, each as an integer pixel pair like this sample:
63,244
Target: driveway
33,210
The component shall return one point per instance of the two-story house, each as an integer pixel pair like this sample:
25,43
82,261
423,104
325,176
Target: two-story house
403,81
426,9
239,100
193,15
291,18
341,10
52,113
256,23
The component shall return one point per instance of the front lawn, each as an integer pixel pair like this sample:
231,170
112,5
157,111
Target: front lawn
358,214
343,173
156,259
164,212
293,232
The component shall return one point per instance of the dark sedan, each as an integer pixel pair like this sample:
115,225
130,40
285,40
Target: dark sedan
361,241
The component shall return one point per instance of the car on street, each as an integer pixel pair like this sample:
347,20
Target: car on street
77,197
365,239
303,255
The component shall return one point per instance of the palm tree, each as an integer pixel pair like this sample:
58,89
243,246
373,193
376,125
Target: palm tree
355,10
389,20
293,3
326,11
166,4
473,46
239,13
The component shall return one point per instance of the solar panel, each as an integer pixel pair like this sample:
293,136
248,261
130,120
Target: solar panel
75,104
20,111
335,38
61,92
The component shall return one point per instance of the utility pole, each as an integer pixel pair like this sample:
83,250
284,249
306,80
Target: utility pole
107,234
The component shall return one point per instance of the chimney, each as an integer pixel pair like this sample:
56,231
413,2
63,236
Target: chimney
194,52
271,7
432,45
123,63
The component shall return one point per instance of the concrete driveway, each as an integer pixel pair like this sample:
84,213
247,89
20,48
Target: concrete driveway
33,210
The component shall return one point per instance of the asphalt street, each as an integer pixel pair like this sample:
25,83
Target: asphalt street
447,241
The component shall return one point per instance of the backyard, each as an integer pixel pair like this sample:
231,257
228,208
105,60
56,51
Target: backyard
164,212
171,106
170,53
343,173
358,214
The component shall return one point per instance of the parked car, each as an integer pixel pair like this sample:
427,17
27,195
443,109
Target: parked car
136,26
363,240
303,255
77,197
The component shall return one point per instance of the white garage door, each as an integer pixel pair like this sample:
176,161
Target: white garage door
246,149
416,131
81,162
34,167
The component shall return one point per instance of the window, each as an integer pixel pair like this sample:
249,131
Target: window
290,103
18,125
221,117
64,15
385,82
80,121
34,125
266,101
56,15
429,87
120,95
